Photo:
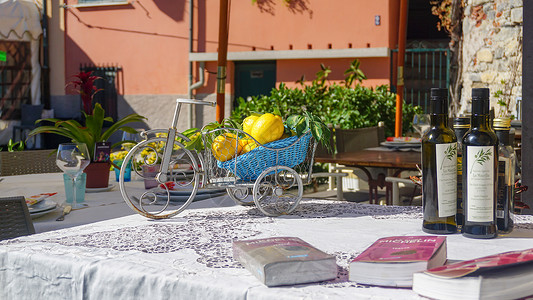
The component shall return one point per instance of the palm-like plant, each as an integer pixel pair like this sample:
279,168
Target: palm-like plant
93,130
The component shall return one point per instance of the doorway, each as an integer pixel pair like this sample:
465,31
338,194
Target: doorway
254,78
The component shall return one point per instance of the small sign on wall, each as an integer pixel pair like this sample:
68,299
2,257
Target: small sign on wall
256,74
3,55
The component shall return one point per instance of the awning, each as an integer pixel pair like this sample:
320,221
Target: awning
20,20
18,17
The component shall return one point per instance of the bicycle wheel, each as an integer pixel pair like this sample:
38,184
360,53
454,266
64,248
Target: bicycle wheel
278,191
240,195
156,200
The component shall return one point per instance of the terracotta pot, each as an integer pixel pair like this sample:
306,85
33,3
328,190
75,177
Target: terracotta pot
97,175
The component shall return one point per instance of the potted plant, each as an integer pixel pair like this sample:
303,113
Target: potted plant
93,130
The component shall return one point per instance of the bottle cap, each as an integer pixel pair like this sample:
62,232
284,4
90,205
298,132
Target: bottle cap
480,101
438,103
502,123
461,122
480,94
438,93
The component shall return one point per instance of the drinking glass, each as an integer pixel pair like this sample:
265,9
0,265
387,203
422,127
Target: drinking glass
73,158
131,137
421,123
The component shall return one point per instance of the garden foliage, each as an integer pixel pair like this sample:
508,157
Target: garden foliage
341,105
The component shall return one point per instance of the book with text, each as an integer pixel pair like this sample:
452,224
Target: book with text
506,275
391,261
284,261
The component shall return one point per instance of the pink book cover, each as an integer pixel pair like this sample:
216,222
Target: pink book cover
484,264
402,249
279,249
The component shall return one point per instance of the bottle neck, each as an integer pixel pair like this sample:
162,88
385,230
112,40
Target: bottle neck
439,120
503,137
480,121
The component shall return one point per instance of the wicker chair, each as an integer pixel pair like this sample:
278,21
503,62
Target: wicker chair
15,218
27,162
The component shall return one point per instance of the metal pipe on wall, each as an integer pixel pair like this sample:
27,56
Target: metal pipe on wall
222,59
402,32
196,85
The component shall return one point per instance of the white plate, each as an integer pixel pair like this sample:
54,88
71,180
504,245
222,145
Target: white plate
42,213
98,190
400,145
44,205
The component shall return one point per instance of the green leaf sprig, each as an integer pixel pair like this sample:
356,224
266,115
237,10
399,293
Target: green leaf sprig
449,154
481,157
307,121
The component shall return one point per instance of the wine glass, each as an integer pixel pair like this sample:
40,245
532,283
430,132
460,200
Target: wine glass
421,123
131,137
73,158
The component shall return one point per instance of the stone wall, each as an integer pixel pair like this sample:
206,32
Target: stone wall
492,51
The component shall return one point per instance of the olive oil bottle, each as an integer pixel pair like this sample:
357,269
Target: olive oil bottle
480,171
506,176
460,127
439,169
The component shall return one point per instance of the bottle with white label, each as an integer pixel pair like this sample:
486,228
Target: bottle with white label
480,171
439,169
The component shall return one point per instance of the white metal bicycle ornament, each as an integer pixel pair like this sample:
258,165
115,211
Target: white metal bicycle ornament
270,176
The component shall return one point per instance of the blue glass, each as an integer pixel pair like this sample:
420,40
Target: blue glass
127,173
80,188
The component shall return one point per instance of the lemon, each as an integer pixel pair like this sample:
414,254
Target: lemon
225,147
267,128
248,123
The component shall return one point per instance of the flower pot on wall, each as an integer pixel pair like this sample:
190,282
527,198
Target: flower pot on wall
97,175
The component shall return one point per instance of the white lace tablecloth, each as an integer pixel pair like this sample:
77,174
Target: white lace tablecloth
189,256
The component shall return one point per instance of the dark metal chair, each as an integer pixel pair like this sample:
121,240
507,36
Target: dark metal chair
15,219
29,115
28,162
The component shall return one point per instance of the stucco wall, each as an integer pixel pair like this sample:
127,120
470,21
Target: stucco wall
492,51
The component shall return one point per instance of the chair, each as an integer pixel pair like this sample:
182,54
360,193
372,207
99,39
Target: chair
29,114
15,219
396,189
351,140
27,162
321,151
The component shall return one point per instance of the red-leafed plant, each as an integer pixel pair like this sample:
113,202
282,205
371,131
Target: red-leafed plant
85,87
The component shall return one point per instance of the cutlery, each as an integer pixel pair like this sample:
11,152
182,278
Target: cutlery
66,211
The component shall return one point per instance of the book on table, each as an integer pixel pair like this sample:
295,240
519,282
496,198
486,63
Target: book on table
506,275
391,261
284,260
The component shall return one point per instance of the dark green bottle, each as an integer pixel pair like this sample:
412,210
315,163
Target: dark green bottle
460,127
439,169
506,176
480,171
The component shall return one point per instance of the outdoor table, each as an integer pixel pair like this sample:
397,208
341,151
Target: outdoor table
103,205
378,157
189,256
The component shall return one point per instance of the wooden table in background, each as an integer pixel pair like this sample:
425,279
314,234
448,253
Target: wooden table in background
397,161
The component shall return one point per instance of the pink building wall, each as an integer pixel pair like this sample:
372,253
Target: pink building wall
149,39
320,23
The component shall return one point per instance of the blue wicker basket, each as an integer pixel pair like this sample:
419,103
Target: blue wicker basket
250,165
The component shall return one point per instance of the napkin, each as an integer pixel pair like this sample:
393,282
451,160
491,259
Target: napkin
31,200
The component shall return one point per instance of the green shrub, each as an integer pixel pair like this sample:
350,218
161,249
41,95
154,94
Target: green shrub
341,105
